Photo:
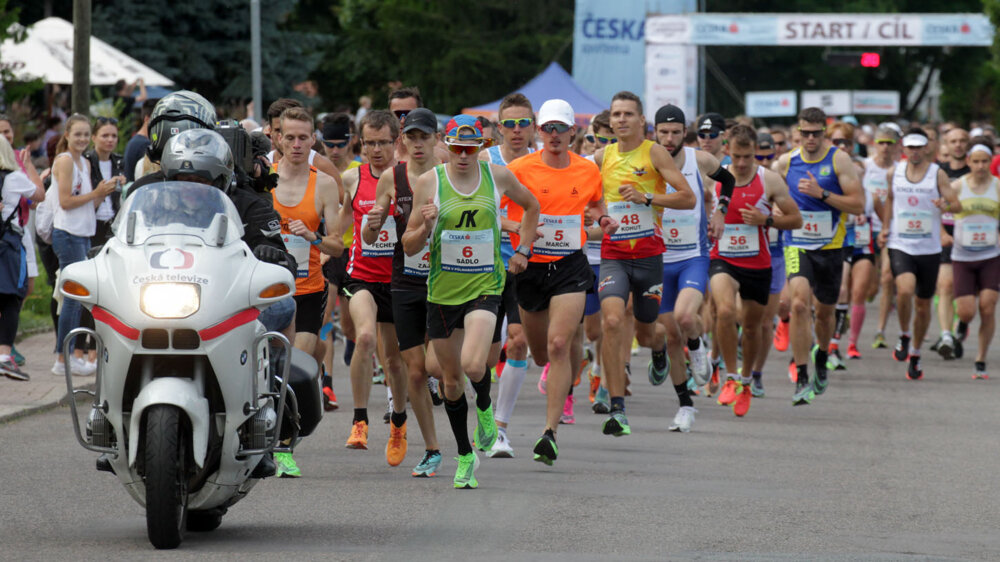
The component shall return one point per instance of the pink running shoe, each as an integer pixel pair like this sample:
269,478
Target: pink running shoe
542,380
567,415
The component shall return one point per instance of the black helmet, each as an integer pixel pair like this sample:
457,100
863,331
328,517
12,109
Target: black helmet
199,152
176,112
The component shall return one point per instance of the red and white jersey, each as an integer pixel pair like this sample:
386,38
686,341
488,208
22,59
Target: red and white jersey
745,245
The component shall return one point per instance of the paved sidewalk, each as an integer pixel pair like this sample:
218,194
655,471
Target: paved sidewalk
44,390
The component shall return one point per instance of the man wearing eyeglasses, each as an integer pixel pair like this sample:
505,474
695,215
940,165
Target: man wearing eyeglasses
685,261
460,212
919,191
712,136
635,172
369,271
551,292
825,185
409,283
780,139
517,128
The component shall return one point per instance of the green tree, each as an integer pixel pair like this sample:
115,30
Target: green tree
204,45
13,89
459,53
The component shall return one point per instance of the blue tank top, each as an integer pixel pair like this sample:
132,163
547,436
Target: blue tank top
823,226
506,250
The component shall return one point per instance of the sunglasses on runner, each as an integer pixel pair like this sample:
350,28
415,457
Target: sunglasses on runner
761,157
336,144
606,140
555,128
401,113
469,149
511,123
708,135
812,132
779,143
843,142
885,141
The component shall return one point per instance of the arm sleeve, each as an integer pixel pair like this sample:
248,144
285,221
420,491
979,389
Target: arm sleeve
726,179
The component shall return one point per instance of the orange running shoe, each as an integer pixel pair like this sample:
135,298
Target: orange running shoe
395,449
793,371
329,399
713,382
852,352
359,436
729,392
781,336
595,383
742,403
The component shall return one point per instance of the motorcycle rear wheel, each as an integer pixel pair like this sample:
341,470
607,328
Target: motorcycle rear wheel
166,493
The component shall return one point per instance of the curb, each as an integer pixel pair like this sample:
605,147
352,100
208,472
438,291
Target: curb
39,408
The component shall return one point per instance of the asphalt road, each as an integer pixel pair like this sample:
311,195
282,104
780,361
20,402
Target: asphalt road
878,468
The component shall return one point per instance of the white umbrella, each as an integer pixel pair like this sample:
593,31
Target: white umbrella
47,53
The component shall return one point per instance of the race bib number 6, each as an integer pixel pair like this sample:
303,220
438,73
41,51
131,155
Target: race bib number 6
467,251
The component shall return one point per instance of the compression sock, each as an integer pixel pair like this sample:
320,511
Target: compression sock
509,387
840,321
482,389
617,403
683,395
857,320
458,417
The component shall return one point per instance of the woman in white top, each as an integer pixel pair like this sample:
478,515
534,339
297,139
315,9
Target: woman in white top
13,258
74,220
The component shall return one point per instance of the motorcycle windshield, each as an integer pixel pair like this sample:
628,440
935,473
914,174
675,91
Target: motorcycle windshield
177,207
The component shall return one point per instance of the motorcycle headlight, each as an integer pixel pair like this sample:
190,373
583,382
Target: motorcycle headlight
170,300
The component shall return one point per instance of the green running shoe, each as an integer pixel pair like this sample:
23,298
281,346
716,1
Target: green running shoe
465,477
428,465
656,376
617,424
286,466
879,342
18,358
804,394
834,362
757,387
546,450
486,429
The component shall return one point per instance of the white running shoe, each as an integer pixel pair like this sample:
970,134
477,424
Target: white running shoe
684,419
701,367
58,369
81,368
501,448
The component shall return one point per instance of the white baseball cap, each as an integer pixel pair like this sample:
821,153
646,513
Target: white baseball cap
556,110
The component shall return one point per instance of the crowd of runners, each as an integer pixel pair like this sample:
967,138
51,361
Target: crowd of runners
448,256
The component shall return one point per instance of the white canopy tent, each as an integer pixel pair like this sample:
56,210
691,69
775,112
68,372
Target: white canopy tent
47,53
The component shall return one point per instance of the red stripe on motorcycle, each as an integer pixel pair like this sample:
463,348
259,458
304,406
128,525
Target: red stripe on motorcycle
239,319
117,325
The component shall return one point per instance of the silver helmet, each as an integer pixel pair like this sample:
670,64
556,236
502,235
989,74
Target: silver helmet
201,153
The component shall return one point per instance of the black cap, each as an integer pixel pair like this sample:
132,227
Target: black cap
712,122
669,114
336,131
422,119
765,141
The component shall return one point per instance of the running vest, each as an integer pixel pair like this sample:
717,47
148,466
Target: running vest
875,180
309,276
685,232
916,221
976,226
823,227
745,245
408,272
640,231
563,195
465,254
370,262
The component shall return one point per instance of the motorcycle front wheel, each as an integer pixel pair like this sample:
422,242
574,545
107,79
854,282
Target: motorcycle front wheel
166,494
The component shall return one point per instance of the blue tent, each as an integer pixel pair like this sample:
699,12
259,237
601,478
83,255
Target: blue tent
554,82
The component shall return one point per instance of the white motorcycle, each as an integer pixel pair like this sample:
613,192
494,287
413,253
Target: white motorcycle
188,405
